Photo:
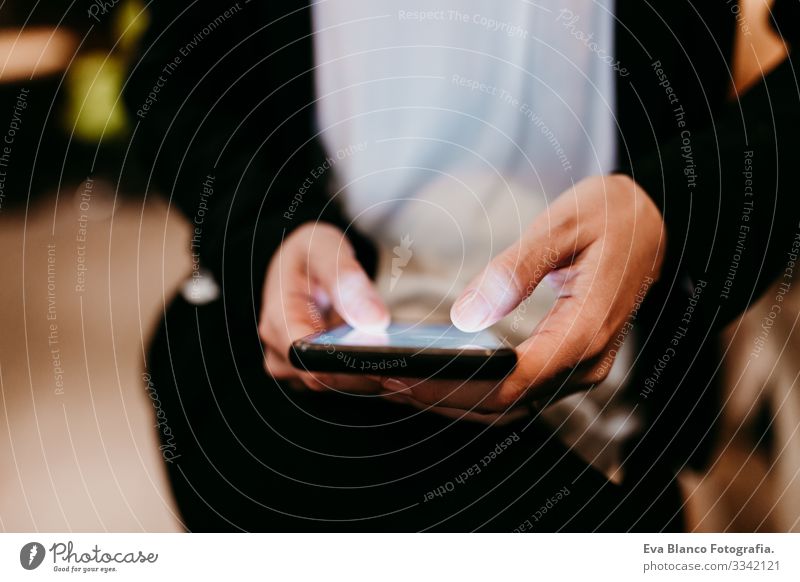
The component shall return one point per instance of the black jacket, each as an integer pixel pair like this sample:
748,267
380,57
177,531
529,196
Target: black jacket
237,105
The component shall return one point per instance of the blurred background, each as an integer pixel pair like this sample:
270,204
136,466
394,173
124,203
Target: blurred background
90,257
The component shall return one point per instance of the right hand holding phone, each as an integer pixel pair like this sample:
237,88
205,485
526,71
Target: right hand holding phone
314,282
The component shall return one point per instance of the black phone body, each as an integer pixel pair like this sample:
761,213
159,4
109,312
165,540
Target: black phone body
406,350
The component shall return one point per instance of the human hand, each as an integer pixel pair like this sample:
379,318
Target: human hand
601,246
314,282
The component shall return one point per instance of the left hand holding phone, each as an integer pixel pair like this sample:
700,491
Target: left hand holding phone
315,282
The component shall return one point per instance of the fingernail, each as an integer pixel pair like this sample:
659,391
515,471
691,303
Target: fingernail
393,385
371,316
471,312
362,308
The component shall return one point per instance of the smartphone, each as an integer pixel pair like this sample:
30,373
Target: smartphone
406,350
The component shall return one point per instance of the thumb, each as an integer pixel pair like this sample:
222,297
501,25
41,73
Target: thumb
332,263
508,279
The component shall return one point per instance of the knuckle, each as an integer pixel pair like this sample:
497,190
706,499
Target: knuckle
298,237
507,396
308,234
270,368
610,326
598,374
306,229
595,347
327,229
327,234
264,331
510,272
571,351
558,226
589,338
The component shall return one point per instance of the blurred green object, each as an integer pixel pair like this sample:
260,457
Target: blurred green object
130,24
94,110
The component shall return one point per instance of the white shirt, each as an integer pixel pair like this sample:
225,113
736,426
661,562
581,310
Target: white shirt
452,124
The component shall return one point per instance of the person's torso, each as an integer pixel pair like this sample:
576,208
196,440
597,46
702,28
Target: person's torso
450,126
